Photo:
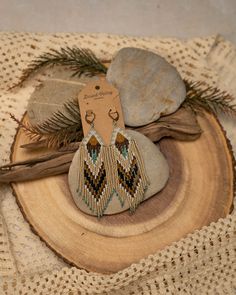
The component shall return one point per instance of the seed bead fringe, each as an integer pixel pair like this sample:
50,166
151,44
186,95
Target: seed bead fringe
99,181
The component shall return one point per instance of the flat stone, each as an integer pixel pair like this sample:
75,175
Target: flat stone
149,86
156,168
51,94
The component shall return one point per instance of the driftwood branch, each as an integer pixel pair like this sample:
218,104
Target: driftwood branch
181,125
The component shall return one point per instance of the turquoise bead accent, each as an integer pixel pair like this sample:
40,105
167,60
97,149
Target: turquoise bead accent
124,152
94,156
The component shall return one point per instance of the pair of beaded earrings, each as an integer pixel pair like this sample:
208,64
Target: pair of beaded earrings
110,170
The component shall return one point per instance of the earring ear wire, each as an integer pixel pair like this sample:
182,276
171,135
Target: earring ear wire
90,113
114,115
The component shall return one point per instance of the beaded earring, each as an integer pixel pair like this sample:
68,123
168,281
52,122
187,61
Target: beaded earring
93,185
113,170
131,180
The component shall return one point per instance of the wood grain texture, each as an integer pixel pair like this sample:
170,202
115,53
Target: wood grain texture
199,191
180,125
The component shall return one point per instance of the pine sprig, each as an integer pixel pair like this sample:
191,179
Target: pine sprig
81,61
65,127
59,130
201,97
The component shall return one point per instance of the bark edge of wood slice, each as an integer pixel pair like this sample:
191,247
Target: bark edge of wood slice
200,191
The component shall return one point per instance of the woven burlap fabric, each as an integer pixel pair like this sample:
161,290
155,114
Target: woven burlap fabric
201,263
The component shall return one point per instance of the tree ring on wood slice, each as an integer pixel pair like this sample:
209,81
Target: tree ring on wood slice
200,191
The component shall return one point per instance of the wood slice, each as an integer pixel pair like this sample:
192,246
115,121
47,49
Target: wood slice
199,191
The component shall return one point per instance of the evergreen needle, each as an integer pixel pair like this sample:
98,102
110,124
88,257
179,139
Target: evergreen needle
211,99
81,61
59,130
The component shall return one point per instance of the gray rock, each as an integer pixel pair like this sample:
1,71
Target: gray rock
149,86
156,168
50,96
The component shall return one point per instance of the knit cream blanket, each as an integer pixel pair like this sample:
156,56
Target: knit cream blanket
204,262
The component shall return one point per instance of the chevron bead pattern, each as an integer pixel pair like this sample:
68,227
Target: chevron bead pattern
110,171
